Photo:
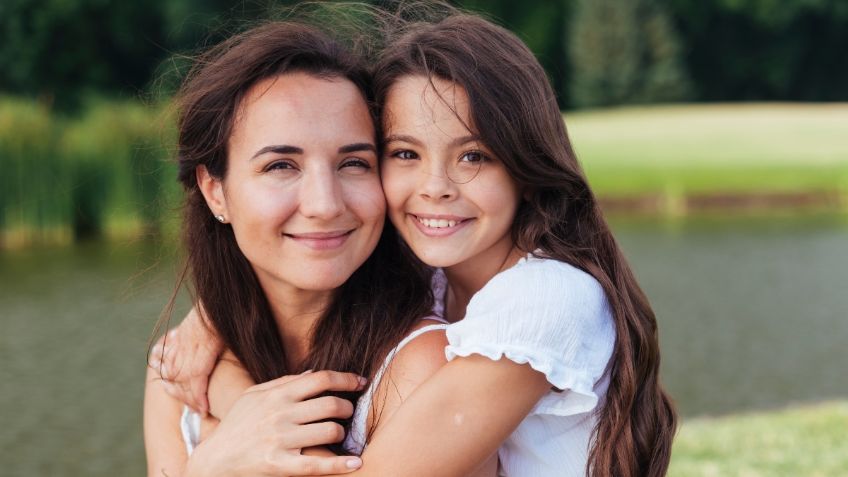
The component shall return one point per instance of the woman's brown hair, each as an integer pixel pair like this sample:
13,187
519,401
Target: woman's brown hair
375,307
514,111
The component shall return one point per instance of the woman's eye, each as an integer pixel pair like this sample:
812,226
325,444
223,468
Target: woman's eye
404,154
279,166
357,163
473,157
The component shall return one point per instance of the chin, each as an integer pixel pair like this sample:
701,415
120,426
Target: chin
435,258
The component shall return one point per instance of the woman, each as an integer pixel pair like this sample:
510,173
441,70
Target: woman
278,159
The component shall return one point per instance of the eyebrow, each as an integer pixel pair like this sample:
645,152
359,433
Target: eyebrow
279,149
286,149
358,147
412,140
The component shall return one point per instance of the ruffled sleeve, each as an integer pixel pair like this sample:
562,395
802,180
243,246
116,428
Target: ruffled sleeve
548,314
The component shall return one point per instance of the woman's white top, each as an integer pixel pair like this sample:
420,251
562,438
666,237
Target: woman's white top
556,318
190,427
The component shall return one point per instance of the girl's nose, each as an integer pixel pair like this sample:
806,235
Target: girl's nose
435,184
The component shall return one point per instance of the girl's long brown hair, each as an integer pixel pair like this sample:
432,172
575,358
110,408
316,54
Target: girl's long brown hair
372,309
514,110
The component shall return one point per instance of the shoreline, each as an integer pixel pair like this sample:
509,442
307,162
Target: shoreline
666,204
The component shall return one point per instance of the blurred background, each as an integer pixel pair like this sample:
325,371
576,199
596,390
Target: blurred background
714,131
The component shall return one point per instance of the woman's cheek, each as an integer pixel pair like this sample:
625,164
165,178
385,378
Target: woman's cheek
366,200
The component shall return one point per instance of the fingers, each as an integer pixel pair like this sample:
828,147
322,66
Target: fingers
311,435
319,409
313,384
311,465
274,383
156,353
197,394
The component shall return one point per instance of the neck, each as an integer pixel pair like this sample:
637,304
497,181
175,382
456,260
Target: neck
468,277
296,312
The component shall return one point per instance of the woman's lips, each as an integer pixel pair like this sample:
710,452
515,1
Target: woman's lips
439,225
321,240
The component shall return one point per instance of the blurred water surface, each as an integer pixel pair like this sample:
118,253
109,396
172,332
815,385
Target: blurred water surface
752,315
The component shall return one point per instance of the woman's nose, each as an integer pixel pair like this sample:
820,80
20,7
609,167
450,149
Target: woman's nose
321,194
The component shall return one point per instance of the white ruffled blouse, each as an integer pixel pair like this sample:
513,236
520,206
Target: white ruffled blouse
556,318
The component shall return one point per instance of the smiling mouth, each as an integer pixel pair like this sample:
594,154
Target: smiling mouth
439,223
320,235
321,240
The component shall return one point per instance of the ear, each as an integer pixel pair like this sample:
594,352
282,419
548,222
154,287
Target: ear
213,191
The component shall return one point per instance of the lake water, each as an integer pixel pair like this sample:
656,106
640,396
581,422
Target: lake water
752,315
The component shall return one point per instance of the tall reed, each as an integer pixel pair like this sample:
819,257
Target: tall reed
104,172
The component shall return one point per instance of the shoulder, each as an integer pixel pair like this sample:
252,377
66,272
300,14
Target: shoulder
542,285
422,354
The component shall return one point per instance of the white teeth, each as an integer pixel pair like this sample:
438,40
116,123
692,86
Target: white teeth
437,223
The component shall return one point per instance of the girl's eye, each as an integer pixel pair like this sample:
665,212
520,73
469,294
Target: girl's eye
404,154
355,162
475,157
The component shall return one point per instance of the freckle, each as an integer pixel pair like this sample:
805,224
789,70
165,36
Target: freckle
458,418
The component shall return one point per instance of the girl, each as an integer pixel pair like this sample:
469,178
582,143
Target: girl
554,357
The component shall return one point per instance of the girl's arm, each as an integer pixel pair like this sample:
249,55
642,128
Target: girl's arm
461,415
229,380
455,420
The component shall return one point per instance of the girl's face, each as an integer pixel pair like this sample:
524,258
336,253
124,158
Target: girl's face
302,191
452,201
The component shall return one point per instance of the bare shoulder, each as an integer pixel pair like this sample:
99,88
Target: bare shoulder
413,364
422,356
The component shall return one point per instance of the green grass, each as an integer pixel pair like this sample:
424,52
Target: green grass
804,441
714,149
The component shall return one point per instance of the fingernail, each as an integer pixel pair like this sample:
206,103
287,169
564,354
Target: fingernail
307,371
172,333
363,381
354,463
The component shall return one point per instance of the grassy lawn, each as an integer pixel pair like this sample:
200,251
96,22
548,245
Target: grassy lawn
714,149
806,441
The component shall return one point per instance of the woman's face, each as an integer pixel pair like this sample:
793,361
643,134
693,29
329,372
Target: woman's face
302,191
450,198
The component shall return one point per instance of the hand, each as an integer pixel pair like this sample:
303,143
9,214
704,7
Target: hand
267,427
185,357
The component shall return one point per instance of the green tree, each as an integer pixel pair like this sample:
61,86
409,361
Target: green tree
61,50
624,52
765,49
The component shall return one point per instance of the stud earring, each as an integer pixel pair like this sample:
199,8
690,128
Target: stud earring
220,219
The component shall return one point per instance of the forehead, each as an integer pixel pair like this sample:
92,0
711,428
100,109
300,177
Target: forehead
421,103
296,103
